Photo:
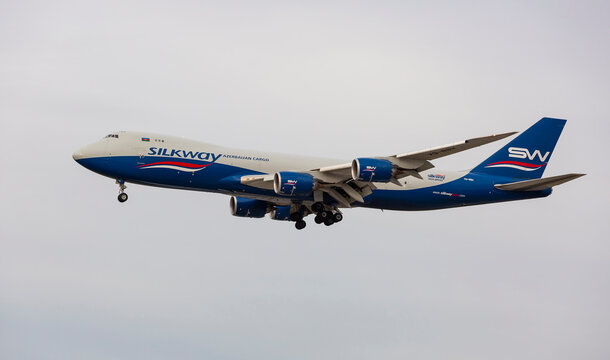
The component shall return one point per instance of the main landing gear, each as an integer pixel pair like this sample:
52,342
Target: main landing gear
299,222
122,195
328,217
323,215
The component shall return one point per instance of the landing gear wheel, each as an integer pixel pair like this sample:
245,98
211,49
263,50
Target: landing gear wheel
337,217
324,214
295,216
329,221
317,207
300,225
318,219
122,197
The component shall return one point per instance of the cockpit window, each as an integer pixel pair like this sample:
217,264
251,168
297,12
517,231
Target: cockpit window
112,136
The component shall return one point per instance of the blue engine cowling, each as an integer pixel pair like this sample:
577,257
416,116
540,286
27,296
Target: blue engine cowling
368,169
280,213
248,207
293,183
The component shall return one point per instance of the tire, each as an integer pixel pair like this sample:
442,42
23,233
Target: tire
337,217
295,216
317,207
122,197
328,222
324,214
318,219
300,225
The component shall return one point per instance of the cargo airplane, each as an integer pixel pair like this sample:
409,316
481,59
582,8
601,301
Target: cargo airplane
290,187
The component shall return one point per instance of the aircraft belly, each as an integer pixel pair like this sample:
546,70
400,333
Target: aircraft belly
469,190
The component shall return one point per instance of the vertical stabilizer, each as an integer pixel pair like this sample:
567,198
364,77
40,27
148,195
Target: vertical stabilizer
528,154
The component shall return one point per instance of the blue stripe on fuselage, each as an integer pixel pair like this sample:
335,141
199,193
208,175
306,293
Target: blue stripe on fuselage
472,189
128,168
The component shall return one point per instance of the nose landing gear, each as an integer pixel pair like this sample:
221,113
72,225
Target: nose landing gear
122,195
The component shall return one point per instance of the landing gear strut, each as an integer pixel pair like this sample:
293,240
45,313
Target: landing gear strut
122,195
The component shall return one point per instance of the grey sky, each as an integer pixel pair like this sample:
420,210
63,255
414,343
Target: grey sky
170,274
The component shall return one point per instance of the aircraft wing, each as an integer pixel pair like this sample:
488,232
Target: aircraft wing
337,180
449,149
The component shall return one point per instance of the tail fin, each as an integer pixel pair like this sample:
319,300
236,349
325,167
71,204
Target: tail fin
528,154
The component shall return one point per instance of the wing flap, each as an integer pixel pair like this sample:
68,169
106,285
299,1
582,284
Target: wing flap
538,184
333,174
264,181
335,195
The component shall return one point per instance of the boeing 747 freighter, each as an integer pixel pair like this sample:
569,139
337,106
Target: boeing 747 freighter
290,188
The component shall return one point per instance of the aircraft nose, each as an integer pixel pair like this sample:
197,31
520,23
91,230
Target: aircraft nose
78,154
95,150
83,153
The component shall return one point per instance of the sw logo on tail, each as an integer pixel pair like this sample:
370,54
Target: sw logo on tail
521,153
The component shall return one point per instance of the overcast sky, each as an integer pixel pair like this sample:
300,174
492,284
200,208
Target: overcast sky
172,275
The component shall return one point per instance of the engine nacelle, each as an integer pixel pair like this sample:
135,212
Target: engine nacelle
244,207
372,170
280,213
293,183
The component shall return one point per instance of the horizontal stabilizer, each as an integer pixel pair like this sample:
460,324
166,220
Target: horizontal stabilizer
538,184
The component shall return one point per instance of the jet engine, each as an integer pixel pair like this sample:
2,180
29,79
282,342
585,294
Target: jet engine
293,183
244,207
372,170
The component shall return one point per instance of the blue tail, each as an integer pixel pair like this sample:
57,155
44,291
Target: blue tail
527,155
